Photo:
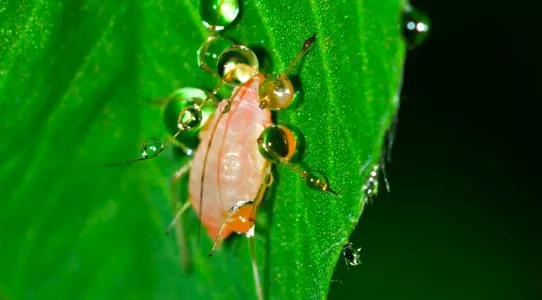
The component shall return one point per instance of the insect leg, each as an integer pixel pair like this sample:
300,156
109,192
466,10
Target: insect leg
277,92
181,241
277,145
241,219
267,181
255,272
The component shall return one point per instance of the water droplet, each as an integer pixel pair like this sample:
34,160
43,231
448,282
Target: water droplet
190,118
151,148
212,48
181,99
351,255
315,180
370,188
237,65
277,143
276,92
218,13
415,26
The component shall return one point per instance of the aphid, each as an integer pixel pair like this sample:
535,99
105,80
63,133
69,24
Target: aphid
351,255
231,166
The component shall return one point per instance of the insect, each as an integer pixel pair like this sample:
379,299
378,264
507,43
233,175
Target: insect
351,255
233,143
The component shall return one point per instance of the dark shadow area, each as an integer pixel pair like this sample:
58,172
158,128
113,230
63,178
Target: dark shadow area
462,220
264,59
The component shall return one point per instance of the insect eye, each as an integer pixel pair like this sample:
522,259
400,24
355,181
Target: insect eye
237,65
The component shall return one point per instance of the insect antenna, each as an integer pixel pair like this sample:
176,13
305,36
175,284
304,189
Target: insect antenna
151,148
313,180
306,46
189,118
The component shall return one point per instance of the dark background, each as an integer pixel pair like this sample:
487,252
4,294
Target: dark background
462,218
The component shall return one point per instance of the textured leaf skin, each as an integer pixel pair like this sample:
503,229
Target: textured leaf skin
76,82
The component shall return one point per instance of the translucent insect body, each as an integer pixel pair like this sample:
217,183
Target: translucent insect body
235,145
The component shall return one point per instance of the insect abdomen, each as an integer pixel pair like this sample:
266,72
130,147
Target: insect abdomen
234,165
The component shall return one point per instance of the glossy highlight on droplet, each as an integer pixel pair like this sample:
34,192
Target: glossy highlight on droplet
210,50
276,92
370,188
151,148
189,118
316,181
277,143
415,26
237,65
218,13
177,102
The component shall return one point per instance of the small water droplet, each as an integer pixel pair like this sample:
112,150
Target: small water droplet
370,188
351,255
218,13
190,118
179,100
315,180
151,148
212,47
415,26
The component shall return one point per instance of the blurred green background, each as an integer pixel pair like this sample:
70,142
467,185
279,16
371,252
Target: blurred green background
462,220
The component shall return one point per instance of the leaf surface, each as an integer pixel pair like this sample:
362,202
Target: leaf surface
77,81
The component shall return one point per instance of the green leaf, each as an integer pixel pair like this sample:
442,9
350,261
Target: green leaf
77,80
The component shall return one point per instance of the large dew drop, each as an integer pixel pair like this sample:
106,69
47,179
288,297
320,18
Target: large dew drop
218,13
210,50
237,65
415,26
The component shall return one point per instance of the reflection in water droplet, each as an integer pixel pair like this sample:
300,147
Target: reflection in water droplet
277,142
276,92
151,148
415,26
351,255
237,65
178,101
189,118
315,180
212,48
218,13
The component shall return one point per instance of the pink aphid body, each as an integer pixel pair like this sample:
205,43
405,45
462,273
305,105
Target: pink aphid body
234,167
